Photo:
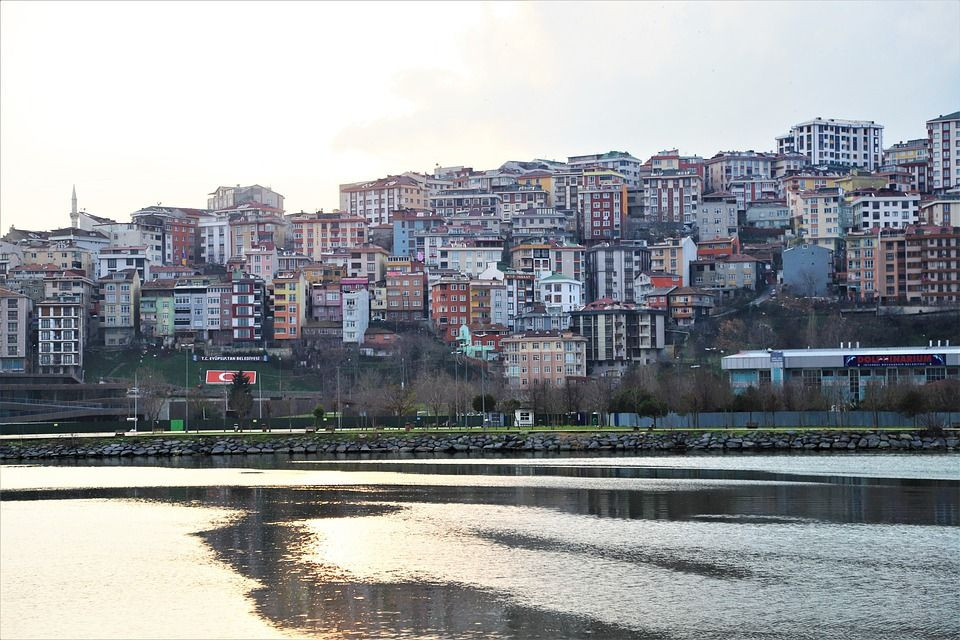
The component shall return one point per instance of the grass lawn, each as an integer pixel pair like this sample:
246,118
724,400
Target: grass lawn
176,368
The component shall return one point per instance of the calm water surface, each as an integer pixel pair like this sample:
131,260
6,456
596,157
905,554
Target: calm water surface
839,546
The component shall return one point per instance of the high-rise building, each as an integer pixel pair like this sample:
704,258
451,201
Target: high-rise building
14,331
850,143
943,138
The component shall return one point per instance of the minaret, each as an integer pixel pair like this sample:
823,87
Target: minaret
74,214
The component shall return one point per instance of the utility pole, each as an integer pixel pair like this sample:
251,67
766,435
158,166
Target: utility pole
136,397
186,390
339,407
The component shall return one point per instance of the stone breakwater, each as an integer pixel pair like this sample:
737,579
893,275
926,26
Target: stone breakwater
486,444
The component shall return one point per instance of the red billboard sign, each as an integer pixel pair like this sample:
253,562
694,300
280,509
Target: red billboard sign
216,376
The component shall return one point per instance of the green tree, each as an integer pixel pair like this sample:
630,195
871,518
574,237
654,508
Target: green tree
485,402
318,414
241,396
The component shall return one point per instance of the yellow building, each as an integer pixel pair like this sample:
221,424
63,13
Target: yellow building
67,256
289,305
794,185
856,181
816,217
538,178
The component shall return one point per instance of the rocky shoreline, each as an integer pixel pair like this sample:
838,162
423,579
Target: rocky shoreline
488,444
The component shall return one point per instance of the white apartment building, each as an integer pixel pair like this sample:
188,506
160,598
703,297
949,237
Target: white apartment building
356,315
120,258
377,199
851,143
468,259
61,336
122,234
559,293
14,331
885,209
943,136
215,245
620,161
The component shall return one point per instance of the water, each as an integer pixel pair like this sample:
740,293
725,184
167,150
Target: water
840,546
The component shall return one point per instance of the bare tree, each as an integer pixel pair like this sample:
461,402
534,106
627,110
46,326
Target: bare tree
435,389
154,393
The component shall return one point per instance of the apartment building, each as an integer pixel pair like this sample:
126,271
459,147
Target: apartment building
559,294
687,305
612,270
674,256
717,216
601,205
630,168
157,311
768,214
943,140
467,257
750,189
942,210
907,152
406,296
672,196
488,303
817,217
536,358
60,336
216,246
289,305
65,255
540,224
15,331
725,167
556,257
884,208
515,199
727,274
356,315
919,264
231,197
119,258
619,335
450,306
406,224
147,234
253,225
247,307
315,234
850,143
120,308
456,201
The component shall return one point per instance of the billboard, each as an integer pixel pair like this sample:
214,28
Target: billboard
896,360
260,357
217,376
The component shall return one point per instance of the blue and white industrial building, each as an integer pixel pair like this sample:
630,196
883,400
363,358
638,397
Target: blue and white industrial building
848,369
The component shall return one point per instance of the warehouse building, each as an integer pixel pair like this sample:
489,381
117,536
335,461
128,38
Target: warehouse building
848,369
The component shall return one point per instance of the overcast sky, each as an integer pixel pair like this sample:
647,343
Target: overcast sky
139,103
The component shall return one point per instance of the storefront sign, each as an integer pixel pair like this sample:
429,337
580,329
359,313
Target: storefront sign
261,357
896,360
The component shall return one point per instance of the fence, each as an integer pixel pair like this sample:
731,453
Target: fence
788,419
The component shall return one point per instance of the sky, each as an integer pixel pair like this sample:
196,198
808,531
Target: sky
139,103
